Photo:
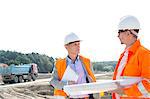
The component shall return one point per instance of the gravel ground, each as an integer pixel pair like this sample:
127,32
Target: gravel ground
34,90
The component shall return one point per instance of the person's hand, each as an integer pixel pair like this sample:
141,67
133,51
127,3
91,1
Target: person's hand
119,89
71,82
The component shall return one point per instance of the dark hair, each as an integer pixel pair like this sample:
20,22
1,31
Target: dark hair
136,30
72,42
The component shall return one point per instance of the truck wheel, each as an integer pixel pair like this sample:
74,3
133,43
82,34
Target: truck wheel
15,79
5,82
20,79
33,77
29,77
25,80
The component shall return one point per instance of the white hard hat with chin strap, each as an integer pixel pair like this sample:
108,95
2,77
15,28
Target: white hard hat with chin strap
129,23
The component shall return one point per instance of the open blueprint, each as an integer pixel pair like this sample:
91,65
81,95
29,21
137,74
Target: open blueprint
96,87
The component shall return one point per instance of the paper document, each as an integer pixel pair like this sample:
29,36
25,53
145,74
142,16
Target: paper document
126,82
89,88
96,87
70,75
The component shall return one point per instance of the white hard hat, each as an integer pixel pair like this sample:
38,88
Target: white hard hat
72,37
128,22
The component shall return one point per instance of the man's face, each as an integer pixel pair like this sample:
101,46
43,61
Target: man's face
123,35
73,47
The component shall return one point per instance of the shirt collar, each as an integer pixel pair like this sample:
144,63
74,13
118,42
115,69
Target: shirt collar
134,47
70,61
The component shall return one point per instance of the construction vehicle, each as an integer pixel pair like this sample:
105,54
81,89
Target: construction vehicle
19,73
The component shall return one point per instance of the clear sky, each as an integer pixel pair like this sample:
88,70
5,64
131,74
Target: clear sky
40,25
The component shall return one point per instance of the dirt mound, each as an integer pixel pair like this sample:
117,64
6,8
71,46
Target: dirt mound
36,91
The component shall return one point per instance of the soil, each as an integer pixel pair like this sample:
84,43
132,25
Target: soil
39,89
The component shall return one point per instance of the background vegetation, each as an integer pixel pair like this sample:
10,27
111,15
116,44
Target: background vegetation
105,66
46,63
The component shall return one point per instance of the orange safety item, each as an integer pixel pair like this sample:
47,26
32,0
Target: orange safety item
61,67
137,65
